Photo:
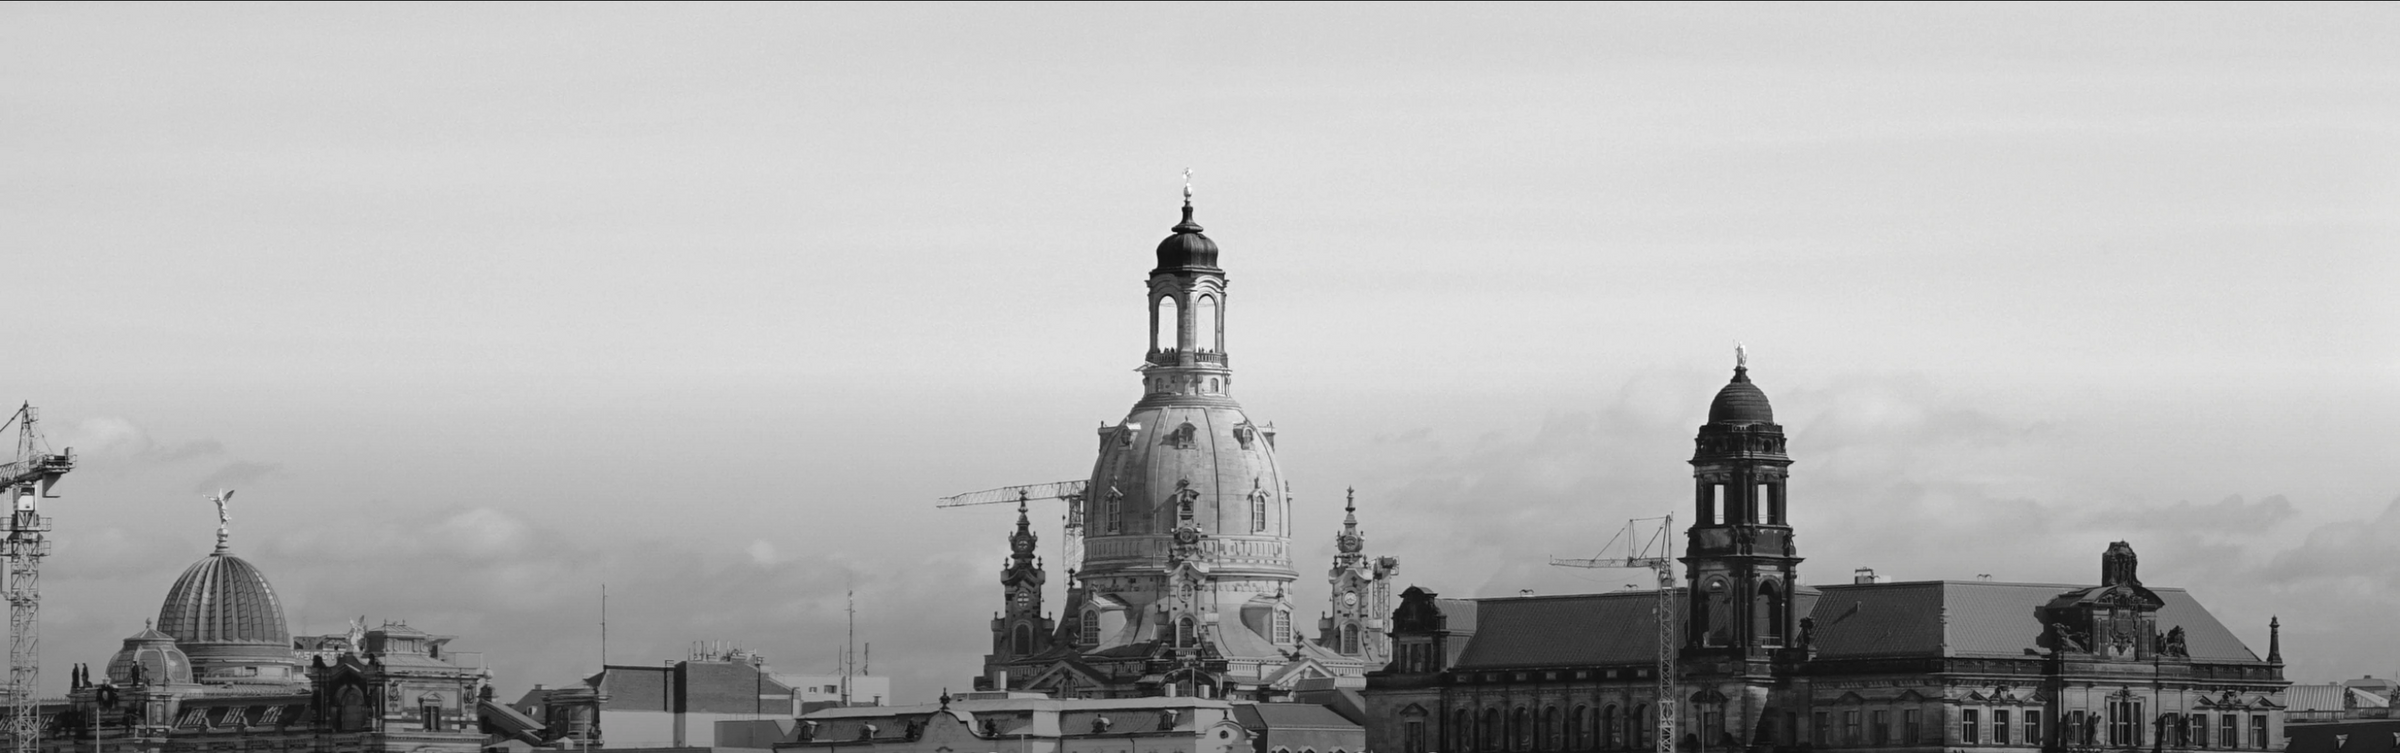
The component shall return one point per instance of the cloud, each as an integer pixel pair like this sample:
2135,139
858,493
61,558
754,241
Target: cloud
121,441
235,474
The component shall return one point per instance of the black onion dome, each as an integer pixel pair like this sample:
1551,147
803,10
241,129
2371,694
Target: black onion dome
1187,247
1740,402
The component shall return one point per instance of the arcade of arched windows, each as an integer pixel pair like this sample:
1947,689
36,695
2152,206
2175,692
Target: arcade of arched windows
1606,721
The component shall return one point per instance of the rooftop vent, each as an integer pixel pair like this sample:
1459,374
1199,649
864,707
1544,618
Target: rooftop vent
1864,576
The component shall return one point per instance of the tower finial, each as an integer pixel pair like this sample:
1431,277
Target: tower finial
1350,499
1187,187
224,518
1741,356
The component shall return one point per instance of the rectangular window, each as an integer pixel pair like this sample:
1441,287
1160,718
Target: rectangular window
2125,723
1882,728
2000,726
1823,734
1911,729
2258,731
2199,724
1758,506
1716,505
1412,739
1850,727
1970,727
2033,727
1791,728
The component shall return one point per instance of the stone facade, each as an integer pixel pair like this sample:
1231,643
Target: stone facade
1766,664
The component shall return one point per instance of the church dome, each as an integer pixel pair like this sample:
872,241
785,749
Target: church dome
225,617
161,662
1187,247
1740,402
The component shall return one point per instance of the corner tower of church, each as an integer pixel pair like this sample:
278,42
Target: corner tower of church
1188,543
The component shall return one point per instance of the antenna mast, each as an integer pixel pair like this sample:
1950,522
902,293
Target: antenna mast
27,481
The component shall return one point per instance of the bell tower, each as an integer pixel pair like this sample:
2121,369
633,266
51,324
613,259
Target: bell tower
1741,562
1021,630
1358,619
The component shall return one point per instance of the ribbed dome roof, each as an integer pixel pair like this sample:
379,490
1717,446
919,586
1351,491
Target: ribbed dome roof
162,663
1187,247
223,599
1740,402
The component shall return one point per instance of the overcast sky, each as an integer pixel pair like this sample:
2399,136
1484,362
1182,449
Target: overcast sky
481,306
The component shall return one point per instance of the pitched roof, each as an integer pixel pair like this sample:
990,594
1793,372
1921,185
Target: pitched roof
1534,631
1921,618
1290,716
1980,618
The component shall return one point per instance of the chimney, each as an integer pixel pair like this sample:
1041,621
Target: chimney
1864,576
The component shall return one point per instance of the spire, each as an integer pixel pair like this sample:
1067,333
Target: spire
2274,640
1187,225
1350,509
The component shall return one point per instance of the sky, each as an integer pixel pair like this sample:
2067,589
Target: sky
483,306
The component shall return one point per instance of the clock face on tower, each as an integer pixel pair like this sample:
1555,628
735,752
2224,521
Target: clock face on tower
1349,598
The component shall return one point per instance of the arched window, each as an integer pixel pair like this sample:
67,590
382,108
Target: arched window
1579,736
1115,505
1492,733
1282,627
1165,326
1258,510
1091,628
1637,726
1520,729
1183,633
1609,735
1550,730
1204,325
1768,609
1350,638
1022,641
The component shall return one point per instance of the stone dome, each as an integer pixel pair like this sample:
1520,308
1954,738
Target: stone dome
162,663
1187,247
1740,402
224,615
1170,451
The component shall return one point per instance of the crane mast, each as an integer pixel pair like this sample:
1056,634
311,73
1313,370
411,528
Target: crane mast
27,480
1651,553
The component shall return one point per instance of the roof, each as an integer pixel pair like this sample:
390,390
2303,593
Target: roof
1290,716
1530,631
1740,402
1458,615
1980,618
2331,698
2377,736
1853,621
1187,248
223,599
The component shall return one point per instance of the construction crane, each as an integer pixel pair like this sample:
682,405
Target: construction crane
27,480
1650,552
1071,539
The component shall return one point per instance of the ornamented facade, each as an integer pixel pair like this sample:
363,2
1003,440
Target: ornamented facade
1765,663
1185,582
220,671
